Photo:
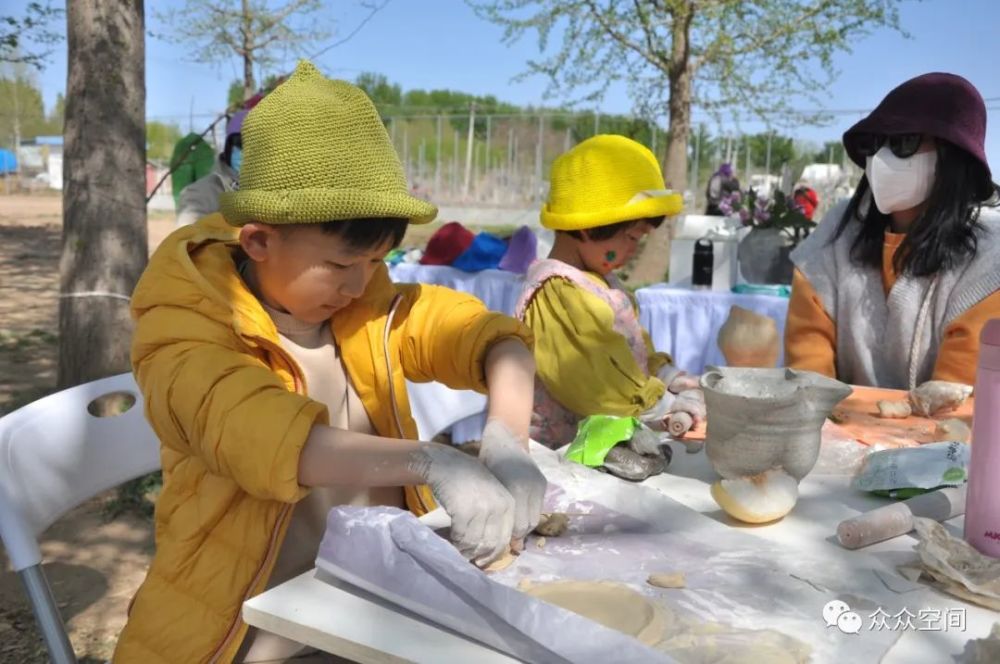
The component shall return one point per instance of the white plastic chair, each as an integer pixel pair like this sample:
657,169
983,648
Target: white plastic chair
54,455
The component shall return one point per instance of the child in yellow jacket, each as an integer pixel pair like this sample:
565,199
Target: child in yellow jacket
592,355
272,351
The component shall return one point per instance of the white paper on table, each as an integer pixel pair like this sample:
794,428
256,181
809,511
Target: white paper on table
733,577
387,552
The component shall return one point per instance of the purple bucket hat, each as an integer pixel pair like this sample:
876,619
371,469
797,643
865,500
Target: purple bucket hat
235,124
521,252
941,105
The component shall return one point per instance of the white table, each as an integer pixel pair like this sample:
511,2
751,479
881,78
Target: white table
336,618
346,621
686,323
497,289
681,321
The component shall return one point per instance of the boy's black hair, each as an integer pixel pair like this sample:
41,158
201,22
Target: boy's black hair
607,232
362,234
941,238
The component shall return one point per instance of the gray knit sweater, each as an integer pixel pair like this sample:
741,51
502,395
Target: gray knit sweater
892,341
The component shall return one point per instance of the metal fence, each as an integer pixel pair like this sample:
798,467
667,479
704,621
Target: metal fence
503,160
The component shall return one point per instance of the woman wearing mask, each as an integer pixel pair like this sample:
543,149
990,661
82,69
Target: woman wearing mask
201,197
893,287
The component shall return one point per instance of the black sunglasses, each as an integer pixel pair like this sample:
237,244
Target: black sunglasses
901,145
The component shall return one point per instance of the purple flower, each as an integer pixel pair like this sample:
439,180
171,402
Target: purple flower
745,217
736,197
725,207
762,215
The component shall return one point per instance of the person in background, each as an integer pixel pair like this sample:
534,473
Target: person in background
893,288
201,197
807,199
722,183
592,354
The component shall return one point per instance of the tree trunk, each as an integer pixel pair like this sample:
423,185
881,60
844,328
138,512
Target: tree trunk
104,240
651,265
679,106
249,84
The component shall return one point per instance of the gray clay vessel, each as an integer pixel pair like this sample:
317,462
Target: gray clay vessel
761,419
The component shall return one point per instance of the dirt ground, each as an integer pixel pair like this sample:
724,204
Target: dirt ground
94,564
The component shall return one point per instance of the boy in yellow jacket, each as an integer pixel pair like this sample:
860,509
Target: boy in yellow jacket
593,356
272,351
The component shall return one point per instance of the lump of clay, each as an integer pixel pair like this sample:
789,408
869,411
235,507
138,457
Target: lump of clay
759,499
762,419
672,580
953,430
501,563
938,396
748,339
896,410
610,604
552,524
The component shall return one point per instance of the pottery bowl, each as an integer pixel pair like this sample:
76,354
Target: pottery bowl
762,419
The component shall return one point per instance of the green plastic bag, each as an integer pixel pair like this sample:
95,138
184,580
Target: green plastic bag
597,435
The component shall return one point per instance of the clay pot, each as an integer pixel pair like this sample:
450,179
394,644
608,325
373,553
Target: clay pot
748,339
764,419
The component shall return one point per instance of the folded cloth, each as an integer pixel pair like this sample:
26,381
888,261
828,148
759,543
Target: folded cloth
447,244
484,253
521,252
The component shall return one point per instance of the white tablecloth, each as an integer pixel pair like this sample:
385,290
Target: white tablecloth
801,551
437,408
497,289
681,322
685,323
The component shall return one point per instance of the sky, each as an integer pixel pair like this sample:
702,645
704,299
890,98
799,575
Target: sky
442,44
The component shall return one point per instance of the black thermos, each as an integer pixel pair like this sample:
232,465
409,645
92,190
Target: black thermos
703,264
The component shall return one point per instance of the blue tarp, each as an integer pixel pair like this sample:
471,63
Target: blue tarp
8,162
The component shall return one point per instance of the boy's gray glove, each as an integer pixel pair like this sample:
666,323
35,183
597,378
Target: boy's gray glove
510,463
481,509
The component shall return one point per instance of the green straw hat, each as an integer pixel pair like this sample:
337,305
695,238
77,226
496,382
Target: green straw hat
315,150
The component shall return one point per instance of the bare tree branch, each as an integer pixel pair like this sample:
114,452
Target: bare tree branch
374,9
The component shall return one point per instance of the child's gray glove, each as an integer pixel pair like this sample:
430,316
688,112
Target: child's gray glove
507,459
645,455
677,380
481,509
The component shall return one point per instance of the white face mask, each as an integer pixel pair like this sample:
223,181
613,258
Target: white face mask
900,184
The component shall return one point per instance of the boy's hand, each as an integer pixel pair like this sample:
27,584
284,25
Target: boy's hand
481,509
505,456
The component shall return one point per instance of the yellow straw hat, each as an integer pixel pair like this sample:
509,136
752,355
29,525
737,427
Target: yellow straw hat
605,180
315,150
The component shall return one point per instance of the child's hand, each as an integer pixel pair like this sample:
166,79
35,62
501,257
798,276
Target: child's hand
677,380
507,459
481,509
691,402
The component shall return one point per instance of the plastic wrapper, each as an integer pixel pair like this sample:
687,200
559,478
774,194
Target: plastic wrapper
622,533
389,553
902,471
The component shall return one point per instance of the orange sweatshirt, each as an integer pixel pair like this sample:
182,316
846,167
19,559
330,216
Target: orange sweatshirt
811,335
